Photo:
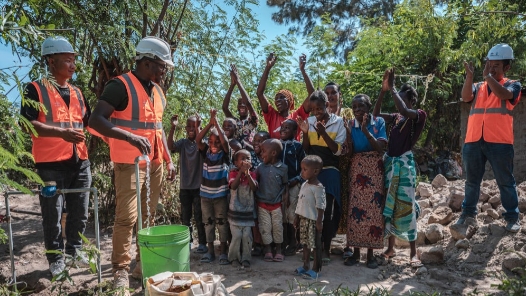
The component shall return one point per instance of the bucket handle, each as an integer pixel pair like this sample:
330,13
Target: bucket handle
162,256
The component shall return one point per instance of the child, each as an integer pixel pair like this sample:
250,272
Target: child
309,215
292,156
324,134
241,208
214,187
246,125
191,170
255,156
272,185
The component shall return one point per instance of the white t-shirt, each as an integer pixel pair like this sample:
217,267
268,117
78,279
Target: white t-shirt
311,198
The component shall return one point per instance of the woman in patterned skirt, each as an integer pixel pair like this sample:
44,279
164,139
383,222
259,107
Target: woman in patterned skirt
400,172
365,222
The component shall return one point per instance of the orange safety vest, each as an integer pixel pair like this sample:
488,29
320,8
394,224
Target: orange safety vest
143,117
490,117
52,149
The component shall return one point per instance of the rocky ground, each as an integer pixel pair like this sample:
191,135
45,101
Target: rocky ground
457,259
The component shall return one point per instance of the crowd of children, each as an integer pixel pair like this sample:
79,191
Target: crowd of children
266,193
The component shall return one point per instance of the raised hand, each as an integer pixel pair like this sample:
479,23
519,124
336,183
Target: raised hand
234,75
271,59
391,78
175,120
303,125
213,114
346,125
303,61
486,70
469,68
365,120
319,127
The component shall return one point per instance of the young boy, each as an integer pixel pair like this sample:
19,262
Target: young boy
191,170
255,156
272,180
214,187
309,215
291,156
241,209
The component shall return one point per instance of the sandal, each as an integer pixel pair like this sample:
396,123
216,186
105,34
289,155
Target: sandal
372,264
415,262
300,271
347,253
325,261
387,257
351,261
279,258
201,249
268,257
290,251
208,258
245,264
310,275
223,259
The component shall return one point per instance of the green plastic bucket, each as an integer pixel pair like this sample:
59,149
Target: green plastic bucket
164,248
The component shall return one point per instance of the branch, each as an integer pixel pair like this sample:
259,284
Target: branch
180,18
160,19
504,12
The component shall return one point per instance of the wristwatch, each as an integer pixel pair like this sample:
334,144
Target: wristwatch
489,75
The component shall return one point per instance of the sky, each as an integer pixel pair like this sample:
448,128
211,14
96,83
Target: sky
262,11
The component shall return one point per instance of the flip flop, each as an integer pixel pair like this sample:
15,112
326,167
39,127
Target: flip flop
300,271
372,264
223,259
208,258
279,258
268,257
310,275
385,256
351,261
201,249
415,262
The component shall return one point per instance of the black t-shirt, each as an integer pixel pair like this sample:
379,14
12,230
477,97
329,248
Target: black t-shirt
115,93
31,113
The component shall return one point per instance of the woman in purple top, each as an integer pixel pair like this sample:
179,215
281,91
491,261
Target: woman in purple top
400,209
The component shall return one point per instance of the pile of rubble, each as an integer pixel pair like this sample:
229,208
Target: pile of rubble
481,242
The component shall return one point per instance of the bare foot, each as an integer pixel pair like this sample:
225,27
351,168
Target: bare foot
388,254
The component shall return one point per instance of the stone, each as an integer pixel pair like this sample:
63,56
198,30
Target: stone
522,204
486,219
441,215
434,232
462,244
455,200
485,207
421,270
435,199
484,194
424,204
496,229
462,231
492,213
421,237
380,277
424,189
425,212
501,210
430,255
514,261
494,201
401,243
439,181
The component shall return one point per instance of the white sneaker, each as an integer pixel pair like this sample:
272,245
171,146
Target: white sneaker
80,260
57,267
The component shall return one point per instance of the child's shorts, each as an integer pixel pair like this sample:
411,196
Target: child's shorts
308,232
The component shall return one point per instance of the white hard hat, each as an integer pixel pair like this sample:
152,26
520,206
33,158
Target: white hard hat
56,44
153,47
501,51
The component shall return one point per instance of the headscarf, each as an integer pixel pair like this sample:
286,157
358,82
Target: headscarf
290,97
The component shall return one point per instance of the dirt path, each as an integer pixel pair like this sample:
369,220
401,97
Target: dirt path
264,278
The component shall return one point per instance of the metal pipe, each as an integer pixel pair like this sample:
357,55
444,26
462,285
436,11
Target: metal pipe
93,190
138,188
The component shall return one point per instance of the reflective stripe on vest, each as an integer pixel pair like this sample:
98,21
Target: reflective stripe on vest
502,110
55,149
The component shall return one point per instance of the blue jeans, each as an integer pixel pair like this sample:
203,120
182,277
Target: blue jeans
76,205
500,156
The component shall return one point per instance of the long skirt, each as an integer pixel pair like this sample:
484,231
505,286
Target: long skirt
365,222
400,207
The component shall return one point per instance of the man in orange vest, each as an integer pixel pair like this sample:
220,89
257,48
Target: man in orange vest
129,113
489,135
60,152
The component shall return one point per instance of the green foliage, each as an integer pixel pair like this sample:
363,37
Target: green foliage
513,286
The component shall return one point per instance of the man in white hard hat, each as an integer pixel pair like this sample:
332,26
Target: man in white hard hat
489,135
60,152
129,113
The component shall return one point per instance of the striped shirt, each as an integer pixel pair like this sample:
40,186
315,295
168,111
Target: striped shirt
336,131
214,183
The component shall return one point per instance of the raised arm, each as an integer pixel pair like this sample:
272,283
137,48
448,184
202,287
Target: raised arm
399,103
263,101
222,136
228,95
201,135
174,121
244,95
378,106
308,83
304,127
467,89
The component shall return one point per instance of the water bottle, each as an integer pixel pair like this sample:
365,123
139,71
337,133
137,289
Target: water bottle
49,189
